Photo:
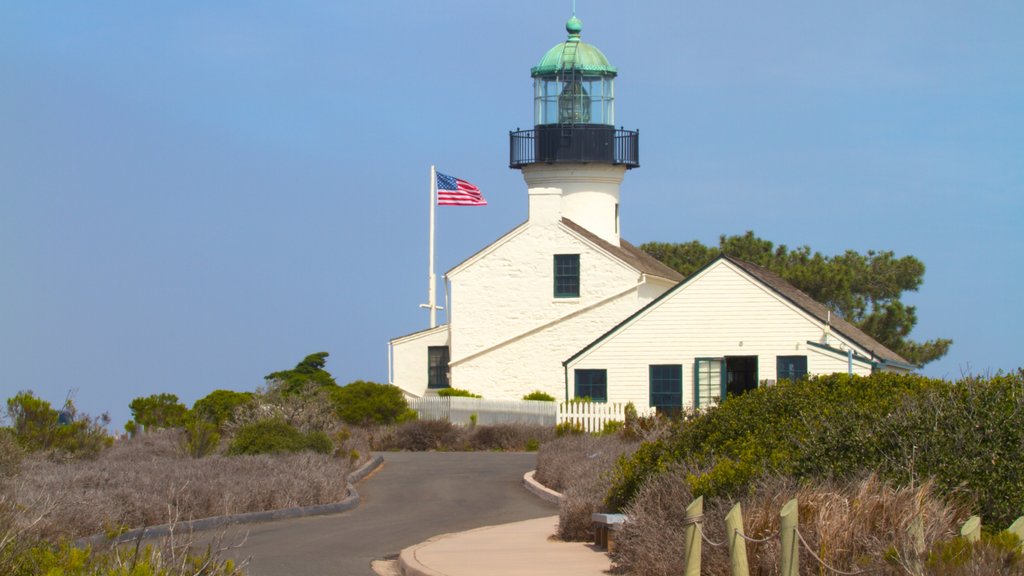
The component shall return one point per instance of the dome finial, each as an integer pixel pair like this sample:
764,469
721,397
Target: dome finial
573,26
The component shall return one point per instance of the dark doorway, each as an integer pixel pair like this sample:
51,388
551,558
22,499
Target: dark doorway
740,374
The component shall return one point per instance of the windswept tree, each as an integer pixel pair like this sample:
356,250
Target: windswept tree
309,371
865,289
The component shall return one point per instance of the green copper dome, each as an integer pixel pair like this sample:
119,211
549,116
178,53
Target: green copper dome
586,57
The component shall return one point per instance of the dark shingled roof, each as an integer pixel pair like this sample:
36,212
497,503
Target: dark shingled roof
818,310
628,253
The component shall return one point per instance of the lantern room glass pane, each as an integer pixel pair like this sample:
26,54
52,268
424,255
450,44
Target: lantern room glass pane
583,100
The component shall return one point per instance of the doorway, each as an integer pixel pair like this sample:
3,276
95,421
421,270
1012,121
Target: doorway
740,374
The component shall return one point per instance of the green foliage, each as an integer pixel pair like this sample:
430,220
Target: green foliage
66,559
612,427
158,411
456,392
36,426
532,445
539,396
363,403
201,438
275,436
218,407
568,427
865,289
907,428
309,371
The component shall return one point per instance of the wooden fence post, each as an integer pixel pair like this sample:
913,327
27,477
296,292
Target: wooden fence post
790,543
737,545
694,514
972,529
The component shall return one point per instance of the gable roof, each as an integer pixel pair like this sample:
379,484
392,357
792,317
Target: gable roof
817,309
630,255
784,289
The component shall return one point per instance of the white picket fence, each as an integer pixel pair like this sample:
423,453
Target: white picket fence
590,416
459,410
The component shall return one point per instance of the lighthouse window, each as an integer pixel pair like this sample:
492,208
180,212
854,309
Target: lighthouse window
567,275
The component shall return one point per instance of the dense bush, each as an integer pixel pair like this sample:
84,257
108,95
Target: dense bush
364,403
539,396
156,411
219,406
277,436
965,435
36,426
457,392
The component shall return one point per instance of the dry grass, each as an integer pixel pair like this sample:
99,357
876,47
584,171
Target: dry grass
148,481
577,466
857,526
441,435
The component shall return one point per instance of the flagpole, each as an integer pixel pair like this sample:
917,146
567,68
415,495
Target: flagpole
432,290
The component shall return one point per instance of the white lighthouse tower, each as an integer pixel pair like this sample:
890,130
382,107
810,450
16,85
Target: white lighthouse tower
574,159
522,305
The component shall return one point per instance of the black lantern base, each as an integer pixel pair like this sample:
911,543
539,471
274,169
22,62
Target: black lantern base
574,143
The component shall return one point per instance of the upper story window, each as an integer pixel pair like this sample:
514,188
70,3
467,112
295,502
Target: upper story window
567,275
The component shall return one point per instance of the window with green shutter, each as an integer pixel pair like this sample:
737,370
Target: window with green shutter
567,275
592,383
666,387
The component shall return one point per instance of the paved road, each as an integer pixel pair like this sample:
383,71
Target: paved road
413,496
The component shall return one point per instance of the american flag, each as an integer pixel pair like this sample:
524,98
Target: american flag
453,191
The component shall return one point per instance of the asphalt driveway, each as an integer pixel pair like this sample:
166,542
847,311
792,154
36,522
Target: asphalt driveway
413,496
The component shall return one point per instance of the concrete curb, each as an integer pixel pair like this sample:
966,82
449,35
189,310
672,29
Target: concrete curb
409,565
350,502
539,490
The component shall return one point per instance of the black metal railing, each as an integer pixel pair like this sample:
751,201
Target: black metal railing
574,143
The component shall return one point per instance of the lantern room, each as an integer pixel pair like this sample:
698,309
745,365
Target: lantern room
574,109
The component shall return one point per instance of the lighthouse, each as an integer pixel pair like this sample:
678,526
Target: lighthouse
522,305
574,158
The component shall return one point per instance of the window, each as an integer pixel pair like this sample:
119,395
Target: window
667,388
707,381
790,367
592,384
437,367
567,275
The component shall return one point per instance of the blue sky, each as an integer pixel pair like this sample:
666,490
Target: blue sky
193,194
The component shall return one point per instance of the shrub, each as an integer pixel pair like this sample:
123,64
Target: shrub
457,393
824,426
507,436
276,436
201,438
422,435
219,406
577,466
36,426
157,411
539,396
364,403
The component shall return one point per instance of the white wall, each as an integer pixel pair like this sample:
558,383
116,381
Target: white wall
720,313
510,334
409,359
587,194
